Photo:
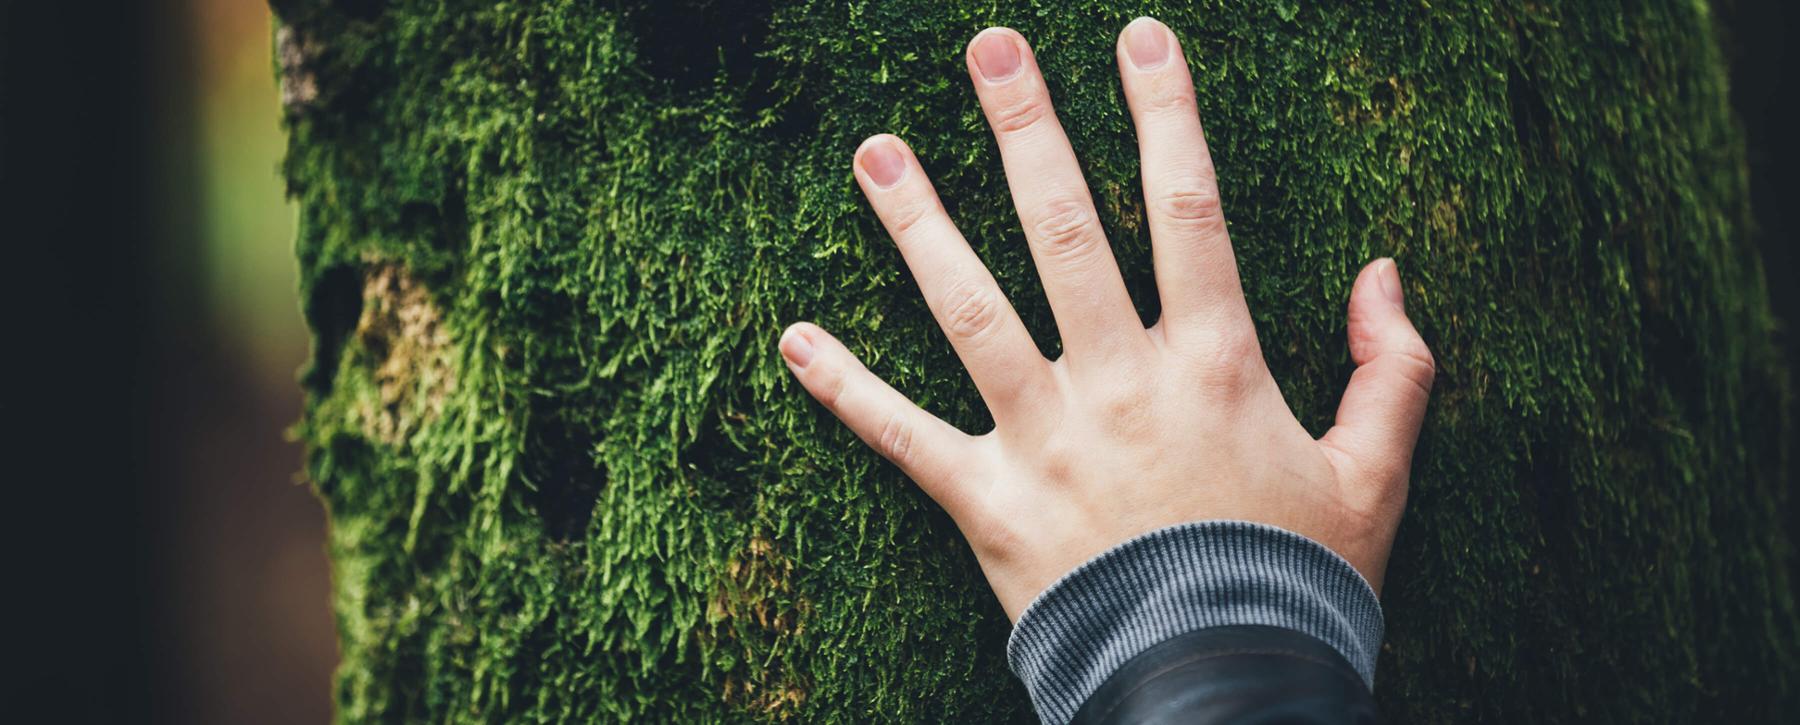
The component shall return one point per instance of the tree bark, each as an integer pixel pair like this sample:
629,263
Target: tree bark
547,249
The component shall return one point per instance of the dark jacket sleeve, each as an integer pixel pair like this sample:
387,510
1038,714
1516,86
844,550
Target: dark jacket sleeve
1235,674
1212,621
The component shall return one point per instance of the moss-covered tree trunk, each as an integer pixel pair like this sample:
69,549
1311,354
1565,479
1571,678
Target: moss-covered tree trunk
547,248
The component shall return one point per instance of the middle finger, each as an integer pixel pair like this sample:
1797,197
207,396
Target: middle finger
1081,279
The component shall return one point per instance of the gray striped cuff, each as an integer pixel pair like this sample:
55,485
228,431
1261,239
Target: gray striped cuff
1179,579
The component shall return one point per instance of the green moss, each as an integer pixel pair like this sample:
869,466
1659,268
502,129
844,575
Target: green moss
547,248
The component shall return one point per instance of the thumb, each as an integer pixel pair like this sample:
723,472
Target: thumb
1379,416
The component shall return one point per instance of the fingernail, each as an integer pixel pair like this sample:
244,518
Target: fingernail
996,55
882,162
796,348
1389,277
1147,44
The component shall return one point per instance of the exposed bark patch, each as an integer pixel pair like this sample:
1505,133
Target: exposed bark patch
1446,213
754,607
402,332
1366,97
296,54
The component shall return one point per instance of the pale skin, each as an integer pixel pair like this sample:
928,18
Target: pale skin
1131,429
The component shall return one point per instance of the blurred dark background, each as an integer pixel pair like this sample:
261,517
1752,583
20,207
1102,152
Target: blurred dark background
164,560
169,564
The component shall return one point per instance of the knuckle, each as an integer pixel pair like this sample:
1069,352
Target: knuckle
1020,113
1239,348
1416,365
1170,97
1196,207
1229,359
1127,411
895,439
1059,464
833,380
971,310
1227,348
908,217
1066,229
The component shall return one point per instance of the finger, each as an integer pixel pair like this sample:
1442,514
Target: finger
981,324
1196,273
1093,311
926,448
1378,419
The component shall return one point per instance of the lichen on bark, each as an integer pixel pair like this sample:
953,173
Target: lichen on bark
546,248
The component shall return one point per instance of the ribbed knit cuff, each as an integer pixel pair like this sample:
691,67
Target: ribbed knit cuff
1179,579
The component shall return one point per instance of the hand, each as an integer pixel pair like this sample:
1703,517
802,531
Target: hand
1130,430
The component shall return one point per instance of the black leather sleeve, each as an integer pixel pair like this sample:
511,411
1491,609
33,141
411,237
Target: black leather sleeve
1234,674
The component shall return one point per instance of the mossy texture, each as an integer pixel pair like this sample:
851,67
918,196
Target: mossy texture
547,248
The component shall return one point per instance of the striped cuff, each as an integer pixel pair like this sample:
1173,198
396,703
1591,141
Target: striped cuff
1179,579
